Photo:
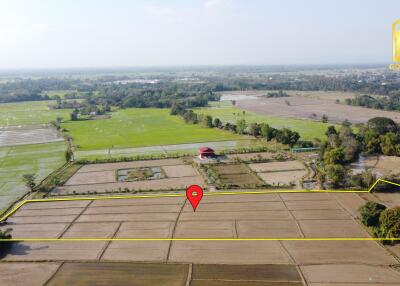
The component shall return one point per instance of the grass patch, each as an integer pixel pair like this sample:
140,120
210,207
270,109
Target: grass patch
137,127
307,129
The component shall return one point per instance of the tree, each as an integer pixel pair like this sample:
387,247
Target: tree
350,148
241,125
382,125
190,117
207,121
267,131
217,122
389,222
370,213
176,109
336,174
334,156
254,129
74,115
331,131
346,123
29,180
68,155
287,136
371,141
389,144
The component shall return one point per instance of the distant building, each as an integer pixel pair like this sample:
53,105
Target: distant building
206,152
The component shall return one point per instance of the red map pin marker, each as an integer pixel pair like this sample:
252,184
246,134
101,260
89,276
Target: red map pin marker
194,193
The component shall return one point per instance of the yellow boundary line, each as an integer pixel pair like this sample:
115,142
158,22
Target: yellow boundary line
200,239
207,239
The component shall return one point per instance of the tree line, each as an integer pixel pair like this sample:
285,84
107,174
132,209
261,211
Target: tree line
385,103
259,130
32,89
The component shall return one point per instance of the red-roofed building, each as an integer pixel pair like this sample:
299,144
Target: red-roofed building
206,152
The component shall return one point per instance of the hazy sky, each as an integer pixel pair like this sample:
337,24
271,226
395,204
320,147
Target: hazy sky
112,33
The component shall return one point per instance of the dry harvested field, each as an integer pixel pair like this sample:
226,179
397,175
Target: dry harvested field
312,108
103,177
330,95
293,215
149,274
280,173
21,136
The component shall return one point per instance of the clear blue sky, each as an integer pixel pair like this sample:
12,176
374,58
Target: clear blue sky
115,33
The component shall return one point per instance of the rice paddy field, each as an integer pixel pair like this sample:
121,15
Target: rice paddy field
30,113
15,161
139,127
225,111
273,262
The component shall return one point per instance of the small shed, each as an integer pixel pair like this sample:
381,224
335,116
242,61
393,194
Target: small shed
205,152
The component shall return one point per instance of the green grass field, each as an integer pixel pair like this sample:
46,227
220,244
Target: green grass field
136,127
29,113
308,129
15,161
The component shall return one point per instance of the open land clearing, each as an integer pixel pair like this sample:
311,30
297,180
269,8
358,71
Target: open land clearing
310,108
15,161
279,215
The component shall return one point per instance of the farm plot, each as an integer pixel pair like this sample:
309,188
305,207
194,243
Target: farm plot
310,108
286,173
184,149
29,113
300,215
147,274
40,159
21,136
139,127
148,175
235,176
